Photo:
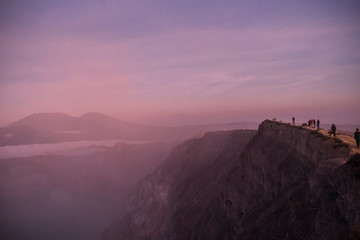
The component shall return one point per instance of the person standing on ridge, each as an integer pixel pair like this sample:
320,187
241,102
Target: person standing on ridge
293,120
357,137
318,123
333,130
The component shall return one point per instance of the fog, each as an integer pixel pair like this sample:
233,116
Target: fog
82,147
70,190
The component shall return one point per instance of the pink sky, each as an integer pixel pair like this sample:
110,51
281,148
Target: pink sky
170,63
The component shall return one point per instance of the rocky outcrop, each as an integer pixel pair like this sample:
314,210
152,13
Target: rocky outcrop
284,182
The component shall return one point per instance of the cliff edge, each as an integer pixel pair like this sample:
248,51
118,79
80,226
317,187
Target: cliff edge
281,182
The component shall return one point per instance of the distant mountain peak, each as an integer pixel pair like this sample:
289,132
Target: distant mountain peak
44,116
46,121
94,114
48,114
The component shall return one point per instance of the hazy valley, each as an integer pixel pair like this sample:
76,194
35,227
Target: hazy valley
71,196
69,178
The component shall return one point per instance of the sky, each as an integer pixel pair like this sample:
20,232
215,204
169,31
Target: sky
181,62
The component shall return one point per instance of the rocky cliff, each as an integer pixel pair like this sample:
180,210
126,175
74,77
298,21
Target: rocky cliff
281,182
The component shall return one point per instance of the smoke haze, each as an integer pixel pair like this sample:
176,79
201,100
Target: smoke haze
71,197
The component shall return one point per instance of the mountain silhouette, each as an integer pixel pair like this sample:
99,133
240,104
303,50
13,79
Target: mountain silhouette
60,127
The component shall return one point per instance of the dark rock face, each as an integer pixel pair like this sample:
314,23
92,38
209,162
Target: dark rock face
282,183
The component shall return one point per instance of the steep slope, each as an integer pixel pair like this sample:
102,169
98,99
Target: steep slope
189,183
293,185
286,183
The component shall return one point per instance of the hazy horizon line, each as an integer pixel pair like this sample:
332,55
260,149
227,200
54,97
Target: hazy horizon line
188,121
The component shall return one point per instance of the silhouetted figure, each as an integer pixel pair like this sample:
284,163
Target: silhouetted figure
333,130
357,137
318,123
293,120
309,122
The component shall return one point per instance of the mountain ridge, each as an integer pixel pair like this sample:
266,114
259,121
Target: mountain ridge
60,127
41,120
284,182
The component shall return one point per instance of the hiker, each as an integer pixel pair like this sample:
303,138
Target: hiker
333,130
293,120
318,123
357,137
309,122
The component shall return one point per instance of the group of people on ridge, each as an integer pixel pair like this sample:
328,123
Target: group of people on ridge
332,131
356,134
312,122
